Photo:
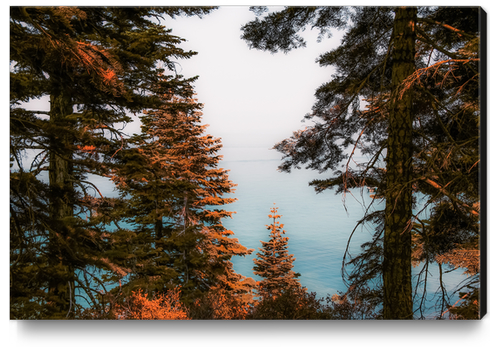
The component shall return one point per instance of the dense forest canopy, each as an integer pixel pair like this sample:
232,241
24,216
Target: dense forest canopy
405,93
69,244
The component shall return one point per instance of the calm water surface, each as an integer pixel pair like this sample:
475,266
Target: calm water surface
318,225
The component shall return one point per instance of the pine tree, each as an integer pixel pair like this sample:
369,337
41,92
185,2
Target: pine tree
96,65
175,187
353,111
274,263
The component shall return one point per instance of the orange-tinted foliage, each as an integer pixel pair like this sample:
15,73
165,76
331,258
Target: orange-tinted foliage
87,149
161,307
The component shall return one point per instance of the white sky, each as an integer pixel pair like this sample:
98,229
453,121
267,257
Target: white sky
252,98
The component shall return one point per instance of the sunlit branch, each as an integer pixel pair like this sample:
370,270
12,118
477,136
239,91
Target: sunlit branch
449,195
410,80
459,32
453,306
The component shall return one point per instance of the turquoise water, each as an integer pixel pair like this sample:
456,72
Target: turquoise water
318,225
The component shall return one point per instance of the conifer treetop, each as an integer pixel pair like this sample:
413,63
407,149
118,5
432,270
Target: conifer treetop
274,263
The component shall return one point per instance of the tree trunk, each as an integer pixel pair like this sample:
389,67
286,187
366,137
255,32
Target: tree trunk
61,286
397,284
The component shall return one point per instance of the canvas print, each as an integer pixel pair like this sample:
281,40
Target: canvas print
247,163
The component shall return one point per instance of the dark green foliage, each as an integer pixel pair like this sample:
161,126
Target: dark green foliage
352,111
219,304
96,65
469,307
290,305
360,303
279,30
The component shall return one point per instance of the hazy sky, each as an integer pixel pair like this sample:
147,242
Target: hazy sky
252,98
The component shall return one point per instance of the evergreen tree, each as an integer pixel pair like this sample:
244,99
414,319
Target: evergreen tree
170,175
96,65
422,85
274,263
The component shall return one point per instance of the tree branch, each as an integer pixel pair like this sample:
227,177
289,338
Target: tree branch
459,32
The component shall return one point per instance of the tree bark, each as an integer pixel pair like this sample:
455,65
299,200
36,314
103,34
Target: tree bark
397,284
61,285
